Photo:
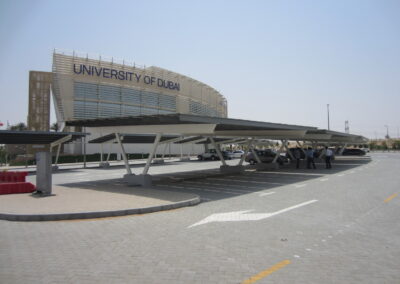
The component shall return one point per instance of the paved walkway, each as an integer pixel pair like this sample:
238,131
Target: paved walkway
98,200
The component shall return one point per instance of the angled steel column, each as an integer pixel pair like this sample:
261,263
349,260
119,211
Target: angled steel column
302,148
218,151
128,169
342,150
278,153
250,144
287,150
150,158
58,154
256,156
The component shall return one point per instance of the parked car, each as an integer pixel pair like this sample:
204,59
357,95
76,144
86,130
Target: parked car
212,155
353,152
237,154
208,155
266,156
228,155
302,155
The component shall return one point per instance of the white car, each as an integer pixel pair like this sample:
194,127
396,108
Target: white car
237,154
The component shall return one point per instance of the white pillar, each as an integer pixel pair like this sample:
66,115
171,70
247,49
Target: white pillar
249,144
150,158
128,169
218,151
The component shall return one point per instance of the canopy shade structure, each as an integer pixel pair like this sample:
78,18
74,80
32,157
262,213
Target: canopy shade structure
186,128
165,119
36,137
132,138
191,125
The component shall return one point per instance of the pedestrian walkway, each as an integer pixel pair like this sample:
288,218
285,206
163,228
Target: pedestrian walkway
97,201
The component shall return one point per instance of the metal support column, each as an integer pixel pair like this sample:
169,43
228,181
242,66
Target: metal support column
153,151
250,144
165,150
342,150
288,151
218,151
109,152
278,153
256,156
128,169
302,148
58,154
101,153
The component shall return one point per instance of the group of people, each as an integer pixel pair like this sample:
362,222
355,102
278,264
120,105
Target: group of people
310,153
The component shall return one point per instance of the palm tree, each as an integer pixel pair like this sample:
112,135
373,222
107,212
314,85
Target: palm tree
54,127
18,127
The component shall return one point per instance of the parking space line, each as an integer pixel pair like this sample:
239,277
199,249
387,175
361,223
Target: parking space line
219,189
216,184
266,272
390,197
198,189
251,181
267,193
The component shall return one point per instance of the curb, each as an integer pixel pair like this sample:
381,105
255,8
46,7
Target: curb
99,214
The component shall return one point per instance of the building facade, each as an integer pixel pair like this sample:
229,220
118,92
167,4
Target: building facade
88,88
85,87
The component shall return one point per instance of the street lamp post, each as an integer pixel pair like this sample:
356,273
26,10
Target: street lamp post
328,116
387,132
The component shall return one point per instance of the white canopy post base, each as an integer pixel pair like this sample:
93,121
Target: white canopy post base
226,169
138,180
104,165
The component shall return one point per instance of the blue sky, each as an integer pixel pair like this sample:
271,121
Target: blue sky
277,61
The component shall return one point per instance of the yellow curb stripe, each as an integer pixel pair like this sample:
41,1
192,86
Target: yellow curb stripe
391,197
266,272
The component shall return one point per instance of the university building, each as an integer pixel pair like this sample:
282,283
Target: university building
84,87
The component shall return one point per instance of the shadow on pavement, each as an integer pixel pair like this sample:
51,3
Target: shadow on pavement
212,185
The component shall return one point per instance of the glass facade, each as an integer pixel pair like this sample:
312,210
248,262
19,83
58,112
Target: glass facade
99,101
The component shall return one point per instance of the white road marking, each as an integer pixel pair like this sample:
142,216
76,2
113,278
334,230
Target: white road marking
297,256
340,175
300,185
245,216
249,181
324,179
267,193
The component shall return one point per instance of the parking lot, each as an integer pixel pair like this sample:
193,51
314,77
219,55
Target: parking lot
281,226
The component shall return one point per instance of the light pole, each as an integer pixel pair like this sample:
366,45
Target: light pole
387,132
327,106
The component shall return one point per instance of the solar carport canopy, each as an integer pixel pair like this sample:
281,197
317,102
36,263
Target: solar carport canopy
36,137
132,138
184,124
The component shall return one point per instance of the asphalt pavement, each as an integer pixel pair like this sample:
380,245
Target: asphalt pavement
283,226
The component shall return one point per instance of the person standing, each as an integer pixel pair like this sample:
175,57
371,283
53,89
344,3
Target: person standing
310,158
297,156
328,157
